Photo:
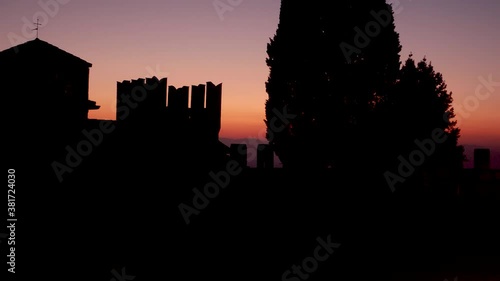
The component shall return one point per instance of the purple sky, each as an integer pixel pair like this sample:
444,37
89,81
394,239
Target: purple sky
189,42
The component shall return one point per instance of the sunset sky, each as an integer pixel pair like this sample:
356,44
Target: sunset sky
189,42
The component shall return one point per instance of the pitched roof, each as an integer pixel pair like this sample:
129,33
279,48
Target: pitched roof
46,48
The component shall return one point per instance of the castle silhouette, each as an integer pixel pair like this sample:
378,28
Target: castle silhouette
116,181
54,92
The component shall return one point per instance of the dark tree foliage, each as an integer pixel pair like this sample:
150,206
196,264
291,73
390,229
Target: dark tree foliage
330,66
420,115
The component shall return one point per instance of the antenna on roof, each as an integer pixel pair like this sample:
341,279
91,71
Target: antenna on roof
37,25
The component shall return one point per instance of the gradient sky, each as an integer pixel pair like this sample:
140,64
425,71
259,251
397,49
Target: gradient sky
190,43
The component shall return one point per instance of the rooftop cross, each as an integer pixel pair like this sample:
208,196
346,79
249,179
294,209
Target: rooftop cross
36,28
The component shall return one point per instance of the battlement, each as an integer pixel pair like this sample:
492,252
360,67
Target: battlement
178,98
143,102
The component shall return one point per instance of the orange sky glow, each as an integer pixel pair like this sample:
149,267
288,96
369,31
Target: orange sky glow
189,42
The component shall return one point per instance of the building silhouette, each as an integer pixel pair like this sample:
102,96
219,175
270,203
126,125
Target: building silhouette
45,82
46,97
482,158
265,156
143,103
239,152
156,119
46,93
481,180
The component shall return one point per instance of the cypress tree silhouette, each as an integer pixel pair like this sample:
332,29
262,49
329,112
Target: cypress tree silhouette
329,67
